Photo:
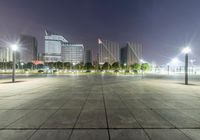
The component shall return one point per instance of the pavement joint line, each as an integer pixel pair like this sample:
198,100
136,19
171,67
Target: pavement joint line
178,111
17,119
179,129
77,118
26,90
106,115
128,109
154,110
99,128
185,134
176,128
128,85
134,116
56,110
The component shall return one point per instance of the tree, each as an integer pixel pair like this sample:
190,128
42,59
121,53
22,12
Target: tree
115,65
67,65
29,65
88,66
81,65
136,67
106,66
59,65
50,64
145,66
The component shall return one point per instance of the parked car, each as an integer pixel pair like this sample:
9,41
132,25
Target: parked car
126,71
88,71
40,71
116,70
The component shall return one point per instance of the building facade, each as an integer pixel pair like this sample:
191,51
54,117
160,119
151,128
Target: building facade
53,45
108,52
73,53
28,50
88,56
5,54
131,53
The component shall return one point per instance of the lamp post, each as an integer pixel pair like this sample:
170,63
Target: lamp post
175,62
192,64
125,66
22,64
168,68
73,66
14,48
186,51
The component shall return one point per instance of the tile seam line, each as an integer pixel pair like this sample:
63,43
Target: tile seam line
81,110
106,115
45,121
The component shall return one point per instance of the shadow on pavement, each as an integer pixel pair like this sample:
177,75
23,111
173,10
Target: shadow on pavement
189,84
10,82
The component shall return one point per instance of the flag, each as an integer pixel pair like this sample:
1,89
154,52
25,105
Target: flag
99,41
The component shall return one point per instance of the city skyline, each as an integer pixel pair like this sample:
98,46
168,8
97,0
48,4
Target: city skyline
163,28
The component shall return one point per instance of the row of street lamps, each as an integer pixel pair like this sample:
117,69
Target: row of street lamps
186,51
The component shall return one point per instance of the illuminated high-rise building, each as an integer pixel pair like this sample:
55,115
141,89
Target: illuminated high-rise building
53,45
28,49
5,54
131,53
108,51
73,53
88,56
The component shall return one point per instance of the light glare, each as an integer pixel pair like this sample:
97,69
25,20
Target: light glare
14,47
175,61
186,50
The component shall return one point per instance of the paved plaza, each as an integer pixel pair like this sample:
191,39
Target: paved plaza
99,107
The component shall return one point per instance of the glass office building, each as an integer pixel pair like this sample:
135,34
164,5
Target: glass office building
88,56
73,53
108,52
28,48
53,45
131,53
5,54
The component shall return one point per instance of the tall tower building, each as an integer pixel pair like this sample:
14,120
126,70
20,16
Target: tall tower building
5,54
28,48
88,56
108,51
131,53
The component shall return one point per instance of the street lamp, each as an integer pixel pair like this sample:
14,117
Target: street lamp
22,64
186,51
14,48
175,62
125,66
168,68
73,66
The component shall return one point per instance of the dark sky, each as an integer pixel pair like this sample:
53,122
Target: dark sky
162,26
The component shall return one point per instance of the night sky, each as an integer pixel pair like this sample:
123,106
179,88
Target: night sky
164,27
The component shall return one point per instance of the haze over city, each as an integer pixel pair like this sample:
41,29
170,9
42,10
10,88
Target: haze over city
163,27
